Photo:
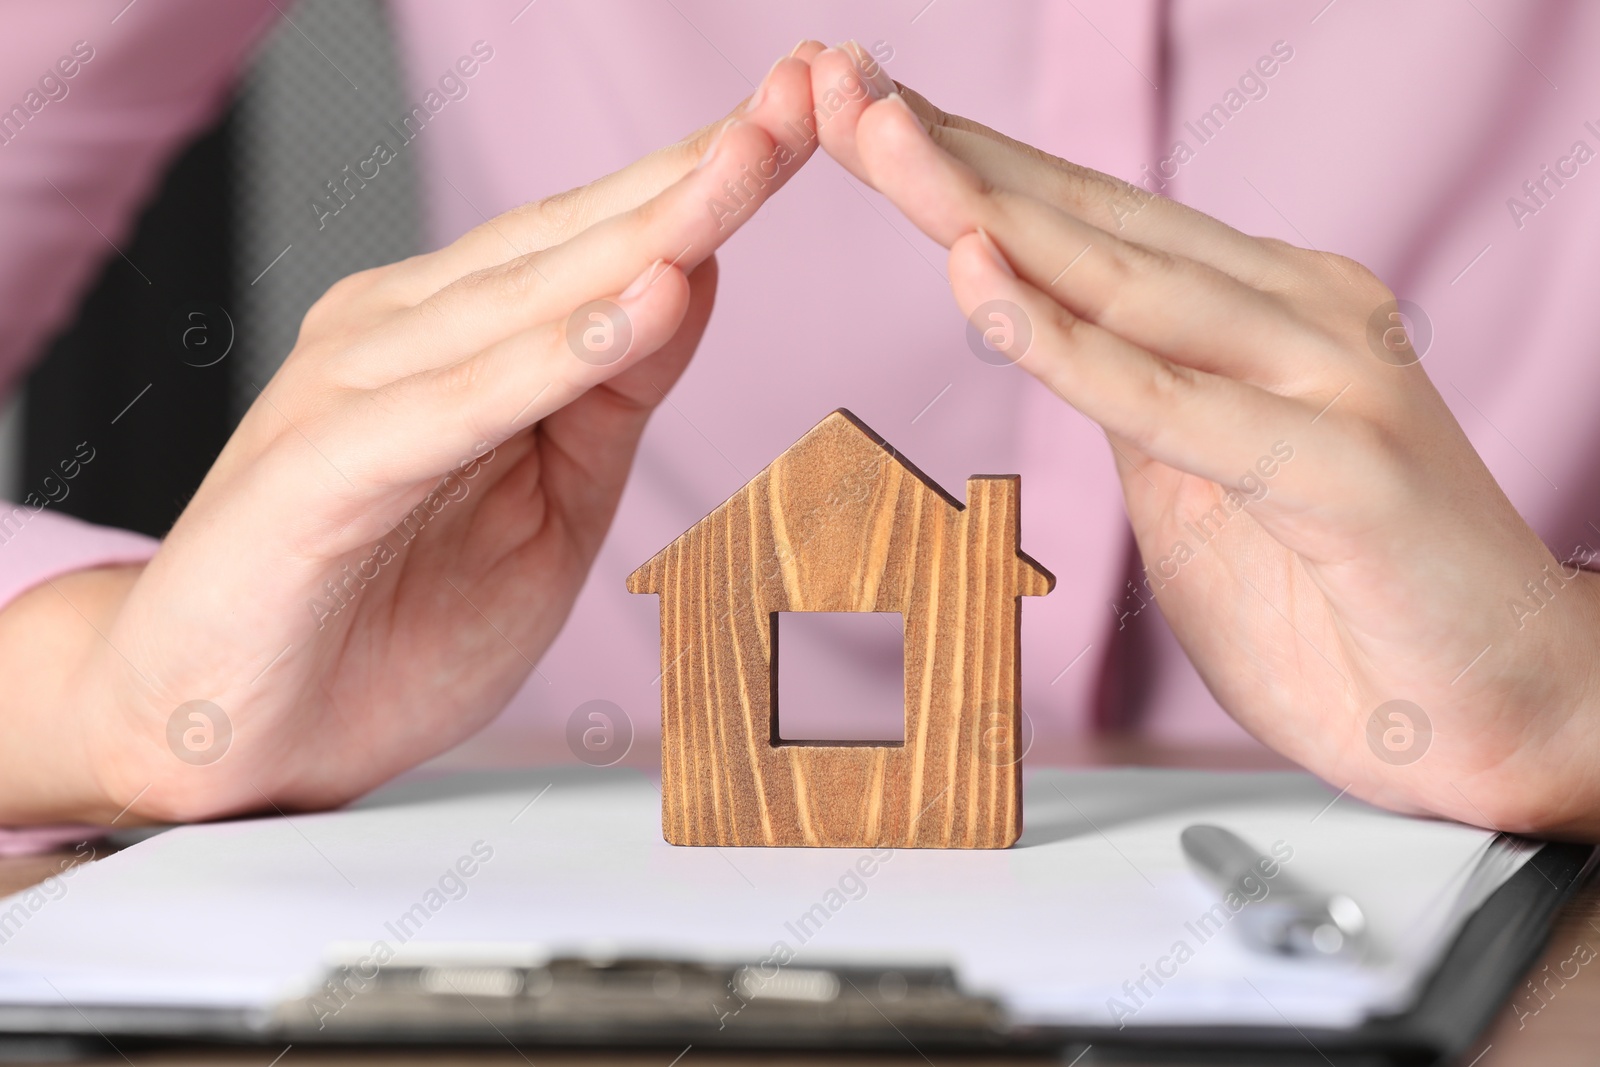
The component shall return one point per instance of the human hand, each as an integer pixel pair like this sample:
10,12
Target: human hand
1316,527
399,526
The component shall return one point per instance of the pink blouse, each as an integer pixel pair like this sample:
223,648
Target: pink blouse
1436,142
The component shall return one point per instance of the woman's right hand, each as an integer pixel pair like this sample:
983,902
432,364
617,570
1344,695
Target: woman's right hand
399,526
1373,602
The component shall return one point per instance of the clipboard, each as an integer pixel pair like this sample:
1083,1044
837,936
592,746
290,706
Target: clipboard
511,992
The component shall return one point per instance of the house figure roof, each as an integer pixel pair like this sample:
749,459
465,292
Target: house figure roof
833,471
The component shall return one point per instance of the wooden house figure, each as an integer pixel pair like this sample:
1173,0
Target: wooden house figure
842,522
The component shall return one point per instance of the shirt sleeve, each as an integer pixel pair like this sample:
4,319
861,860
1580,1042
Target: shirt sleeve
35,547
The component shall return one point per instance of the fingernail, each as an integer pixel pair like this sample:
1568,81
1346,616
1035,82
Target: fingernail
716,141
994,252
878,80
831,48
643,281
761,90
796,50
896,98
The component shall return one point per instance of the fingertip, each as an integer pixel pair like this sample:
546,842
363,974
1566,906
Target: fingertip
838,87
659,282
654,305
975,273
966,256
706,273
702,283
887,132
999,306
877,80
897,99
807,50
748,164
839,96
788,85
782,106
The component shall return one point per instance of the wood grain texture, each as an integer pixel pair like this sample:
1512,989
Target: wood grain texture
841,522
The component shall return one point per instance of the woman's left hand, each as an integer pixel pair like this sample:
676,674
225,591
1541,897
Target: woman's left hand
1355,549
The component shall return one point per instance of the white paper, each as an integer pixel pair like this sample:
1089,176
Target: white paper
1062,927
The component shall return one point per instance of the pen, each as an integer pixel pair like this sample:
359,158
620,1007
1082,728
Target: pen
1279,915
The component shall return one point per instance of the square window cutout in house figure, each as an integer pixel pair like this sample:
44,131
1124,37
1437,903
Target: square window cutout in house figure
841,522
842,679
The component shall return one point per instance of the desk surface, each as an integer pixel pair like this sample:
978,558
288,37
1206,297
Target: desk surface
1554,1019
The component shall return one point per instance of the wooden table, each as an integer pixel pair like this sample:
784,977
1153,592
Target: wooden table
1556,1026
